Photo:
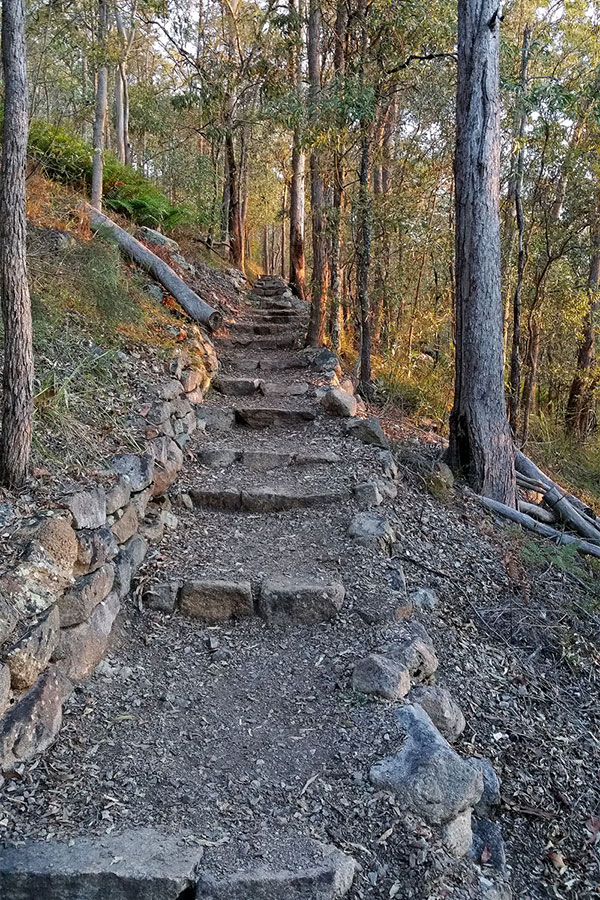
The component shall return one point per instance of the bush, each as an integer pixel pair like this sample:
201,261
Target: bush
65,157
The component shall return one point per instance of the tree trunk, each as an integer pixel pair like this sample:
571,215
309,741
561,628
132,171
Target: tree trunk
339,68
236,241
579,405
515,359
363,262
480,440
119,116
529,385
316,325
17,401
297,260
100,113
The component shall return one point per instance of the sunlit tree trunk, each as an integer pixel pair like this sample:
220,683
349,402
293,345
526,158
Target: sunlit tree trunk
17,400
363,262
480,441
101,103
297,261
339,68
316,325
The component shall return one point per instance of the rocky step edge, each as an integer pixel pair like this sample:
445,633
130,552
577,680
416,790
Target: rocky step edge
59,604
149,863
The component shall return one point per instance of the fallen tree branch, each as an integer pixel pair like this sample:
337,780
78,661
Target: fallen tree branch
526,467
567,512
538,512
539,527
193,305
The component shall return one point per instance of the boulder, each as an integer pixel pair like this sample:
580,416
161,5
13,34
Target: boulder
376,674
424,598
95,548
191,380
490,799
126,526
413,647
35,583
118,495
140,502
28,658
426,775
457,834
138,468
138,863
32,723
127,563
81,647
442,709
337,402
290,600
369,431
88,507
5,690
59,540
372,530
216,601
79,601
169,390
320,360
367,494
162,597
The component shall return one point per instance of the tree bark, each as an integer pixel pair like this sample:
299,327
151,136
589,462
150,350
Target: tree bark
316,325
579,404
101,103
17,401
480,440
194,306
297,259
339,68
515,359
236,238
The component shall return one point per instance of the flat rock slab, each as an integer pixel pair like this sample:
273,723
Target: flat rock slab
141,863
289,600
216,601
263,416
236,387
298,869
263,499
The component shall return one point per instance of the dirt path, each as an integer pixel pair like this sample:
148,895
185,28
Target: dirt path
240,729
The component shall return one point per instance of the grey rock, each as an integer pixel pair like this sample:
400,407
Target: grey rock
138,468
81,647
169,390
127,563
426,775
95,548
285,600
320,360
488,842
31,724
367,494
35,583
216,418
262,417
126,525
413,647
236,387
79,601
156,292
387,488
369,431
140,502
377,674
388,464
28,658
218,457
8,620
162,597
7,514
424,598
216,601
442,709
298,869
337,402
491,787
139,863
118,495
457,834
88,507
372,530
5,690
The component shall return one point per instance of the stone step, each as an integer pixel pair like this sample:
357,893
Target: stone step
281,389
261,460
236,387
261,328
261,343
264,499
146,862
279,315
264,416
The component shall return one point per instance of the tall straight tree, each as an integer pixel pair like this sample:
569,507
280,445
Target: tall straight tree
17,402
480,439
297,260
101,103
316,325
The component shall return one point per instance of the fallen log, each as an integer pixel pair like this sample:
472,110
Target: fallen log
526,467
538,512
539,527
569,515
193,305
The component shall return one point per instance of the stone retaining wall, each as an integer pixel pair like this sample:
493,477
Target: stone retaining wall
59,603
